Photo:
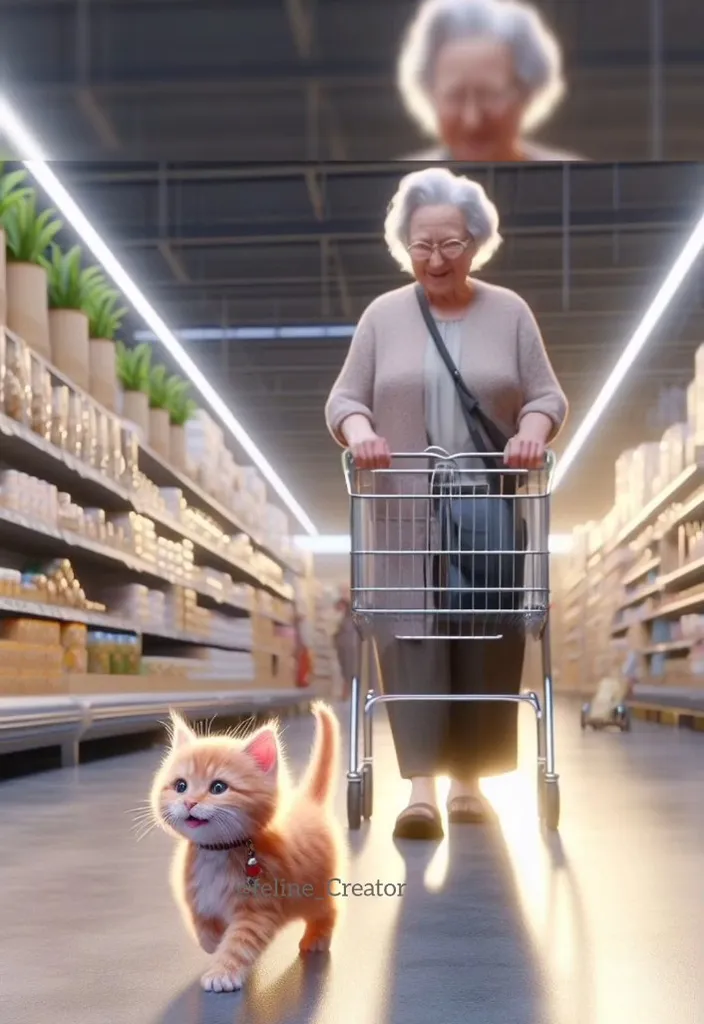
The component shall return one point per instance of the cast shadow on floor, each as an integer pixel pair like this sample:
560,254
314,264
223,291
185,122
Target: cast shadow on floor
295,995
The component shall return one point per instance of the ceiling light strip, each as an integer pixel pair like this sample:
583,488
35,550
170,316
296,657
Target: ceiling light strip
681,267
22,141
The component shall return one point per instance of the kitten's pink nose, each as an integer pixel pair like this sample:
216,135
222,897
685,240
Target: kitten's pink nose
189,804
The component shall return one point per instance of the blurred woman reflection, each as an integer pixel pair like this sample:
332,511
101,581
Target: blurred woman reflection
477,75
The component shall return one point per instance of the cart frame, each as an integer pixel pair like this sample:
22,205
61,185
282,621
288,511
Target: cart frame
360,769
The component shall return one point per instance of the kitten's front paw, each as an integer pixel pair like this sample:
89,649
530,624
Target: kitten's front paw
222,978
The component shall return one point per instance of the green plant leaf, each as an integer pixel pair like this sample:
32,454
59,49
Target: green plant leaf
29,234
70,286
134,366
103,311
181,406
158,387
12,190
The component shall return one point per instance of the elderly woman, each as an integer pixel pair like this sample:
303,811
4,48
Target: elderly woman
395,394
477,75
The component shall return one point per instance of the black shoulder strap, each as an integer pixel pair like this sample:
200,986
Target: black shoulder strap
470,406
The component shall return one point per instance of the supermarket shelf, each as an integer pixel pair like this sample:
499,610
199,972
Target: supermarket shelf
151,463
675,609
642,594
164,475
42,538
215,557
33,454
33,723
639,571
669,647
680,487
63,613
114,623
196,640
688,575
683,709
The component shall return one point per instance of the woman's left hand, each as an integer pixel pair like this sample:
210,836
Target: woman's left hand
525,453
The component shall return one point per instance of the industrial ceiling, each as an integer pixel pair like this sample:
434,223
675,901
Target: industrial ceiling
315,79
240,155
276,247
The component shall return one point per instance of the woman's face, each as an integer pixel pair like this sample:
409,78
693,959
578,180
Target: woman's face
478,103
441,250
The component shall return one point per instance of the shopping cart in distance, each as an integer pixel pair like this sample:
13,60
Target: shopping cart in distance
433,555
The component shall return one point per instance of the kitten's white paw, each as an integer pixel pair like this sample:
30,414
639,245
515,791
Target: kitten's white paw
221,979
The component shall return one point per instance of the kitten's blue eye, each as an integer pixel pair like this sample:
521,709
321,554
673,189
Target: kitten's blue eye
218,787
180,785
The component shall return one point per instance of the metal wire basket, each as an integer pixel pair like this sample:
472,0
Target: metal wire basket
446,548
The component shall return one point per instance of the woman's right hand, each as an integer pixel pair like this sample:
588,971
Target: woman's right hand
371,452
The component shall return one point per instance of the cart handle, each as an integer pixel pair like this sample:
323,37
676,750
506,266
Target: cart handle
440,455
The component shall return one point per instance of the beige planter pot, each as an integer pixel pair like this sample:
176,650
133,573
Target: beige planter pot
70,347
3,280
177,448
160,432
28,305
103,373
135,409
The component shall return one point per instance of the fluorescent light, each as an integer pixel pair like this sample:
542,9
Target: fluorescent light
22,141
203,334
339,543
681,267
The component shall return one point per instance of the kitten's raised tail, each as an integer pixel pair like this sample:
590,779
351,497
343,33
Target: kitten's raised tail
323,768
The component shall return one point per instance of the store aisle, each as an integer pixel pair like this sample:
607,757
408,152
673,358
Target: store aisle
602,927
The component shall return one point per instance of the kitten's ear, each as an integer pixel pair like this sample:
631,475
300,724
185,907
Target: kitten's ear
263,748
181,732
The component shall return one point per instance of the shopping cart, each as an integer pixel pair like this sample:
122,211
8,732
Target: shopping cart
412,525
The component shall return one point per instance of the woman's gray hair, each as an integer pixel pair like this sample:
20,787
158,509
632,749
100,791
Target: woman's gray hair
536,52
436,186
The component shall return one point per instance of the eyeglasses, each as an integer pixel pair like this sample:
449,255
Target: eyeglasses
490,101
451,249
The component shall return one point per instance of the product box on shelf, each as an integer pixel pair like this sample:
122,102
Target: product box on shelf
673,452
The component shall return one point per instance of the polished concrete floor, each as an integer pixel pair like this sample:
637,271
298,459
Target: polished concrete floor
603,926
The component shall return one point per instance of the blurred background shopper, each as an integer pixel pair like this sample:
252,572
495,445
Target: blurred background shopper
478,76
394,394
345,638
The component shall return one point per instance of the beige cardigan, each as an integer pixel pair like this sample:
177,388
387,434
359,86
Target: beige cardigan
384,372
383,378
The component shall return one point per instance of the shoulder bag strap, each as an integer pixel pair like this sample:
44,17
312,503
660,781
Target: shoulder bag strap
473,412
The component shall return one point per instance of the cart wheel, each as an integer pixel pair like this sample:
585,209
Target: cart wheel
551,805
583,721
626,721
354,804
367,791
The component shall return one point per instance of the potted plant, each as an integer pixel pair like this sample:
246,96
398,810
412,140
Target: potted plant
70,288
133,371
182,408
28,235
105,317
159,419
12,191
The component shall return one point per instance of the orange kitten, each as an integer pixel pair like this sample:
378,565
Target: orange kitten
252,856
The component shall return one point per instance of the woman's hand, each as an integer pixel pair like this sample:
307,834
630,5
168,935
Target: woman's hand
523,452
371,452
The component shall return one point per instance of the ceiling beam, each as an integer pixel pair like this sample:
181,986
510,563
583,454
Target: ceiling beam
81,173
209,79
535,223
86,99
